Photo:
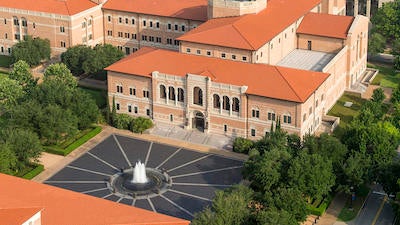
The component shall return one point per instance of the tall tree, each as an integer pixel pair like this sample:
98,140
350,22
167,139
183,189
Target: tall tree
376,43
10,92
75,56
22,74
8,160
31,50
60,73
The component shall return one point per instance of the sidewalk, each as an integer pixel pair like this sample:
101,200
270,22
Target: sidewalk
331,214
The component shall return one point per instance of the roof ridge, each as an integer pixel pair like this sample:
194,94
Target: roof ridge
66,6
237,30
276,68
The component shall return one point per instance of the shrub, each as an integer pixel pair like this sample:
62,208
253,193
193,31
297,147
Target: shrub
122,121
396,63
140,124
253,153
33,173
242,145
320,209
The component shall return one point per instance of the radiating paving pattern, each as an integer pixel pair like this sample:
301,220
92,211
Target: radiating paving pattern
195,175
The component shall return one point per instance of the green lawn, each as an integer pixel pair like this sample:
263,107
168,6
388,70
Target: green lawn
346,114
98,95
2,74
387,76
5,61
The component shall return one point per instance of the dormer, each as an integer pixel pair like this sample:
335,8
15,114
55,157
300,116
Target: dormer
229,8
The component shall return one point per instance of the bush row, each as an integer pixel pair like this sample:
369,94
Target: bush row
136,125
321,208
33,173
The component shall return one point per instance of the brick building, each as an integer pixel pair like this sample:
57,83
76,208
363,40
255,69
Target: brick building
251,63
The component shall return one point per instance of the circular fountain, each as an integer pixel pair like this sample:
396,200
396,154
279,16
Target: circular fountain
139,182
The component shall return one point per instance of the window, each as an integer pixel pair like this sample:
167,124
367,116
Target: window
310,110
176,42
181,95
272,46
144,23
119,88
62,44
129,108
16,21
279,40
171,93
151,38
216,101
255,113
316,103
83,24
225,128
285,35
148,112
253,132
198,52
109,32
171,118
133,21
146,93
197,96
271,116
226,103
109,18
5,21
5,35
135,109
90,37
127,50
117,106
144,38
304,117
244,58
176,27
151,23
163,92
134,36
120,34
169,26
17,36
188,50
120,19
2,49
287,119
24,22
158,24
158,39
34,25
208,53
183,28
235,105
126,20
223,55
169,41
322,97
132,91
233,56
309,45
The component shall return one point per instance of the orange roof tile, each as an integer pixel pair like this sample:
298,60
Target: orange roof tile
63,7
325,25
17,216
253,30
263,80
64,207
186,9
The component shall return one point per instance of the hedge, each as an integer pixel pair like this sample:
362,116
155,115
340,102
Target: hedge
65,151
33,173
320,210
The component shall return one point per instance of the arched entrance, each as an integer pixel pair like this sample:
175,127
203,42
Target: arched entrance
198,121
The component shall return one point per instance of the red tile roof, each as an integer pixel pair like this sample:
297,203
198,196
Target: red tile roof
64,207
17,216
184,9
325,25
263,80
62,7
253,30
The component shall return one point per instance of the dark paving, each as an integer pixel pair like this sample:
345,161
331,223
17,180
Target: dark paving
195,175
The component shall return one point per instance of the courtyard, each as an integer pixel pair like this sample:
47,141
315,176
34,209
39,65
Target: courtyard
193,176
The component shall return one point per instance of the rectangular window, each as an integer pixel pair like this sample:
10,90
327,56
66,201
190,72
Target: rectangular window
158,39
109,32
255,113
127,35
127,50
135,109
223,55
144,23
198,51
151,38
253,132
120,19
90,37
225,128
117,106
129,108
176,42
188,50
169,26
62,29
304,117
183,27
62,44
233,56
126,20
158,24
119,89
171,118
120,34
310,110
148,112
134,36
208,53
309,45
144,38
271,116
17,36
244,58
145,94
287,119
133,21
151,23
109,18
132,91
169,41
176,27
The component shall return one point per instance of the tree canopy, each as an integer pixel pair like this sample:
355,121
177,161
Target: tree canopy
31,50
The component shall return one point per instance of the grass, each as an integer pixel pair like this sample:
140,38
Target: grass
346,114
387,76
349,213
5,61
98,95
73,143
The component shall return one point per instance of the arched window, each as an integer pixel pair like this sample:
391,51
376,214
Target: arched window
235,105
217,101
287,119
181,95
163,93
171,94
226,104
197,96
15,21
24,22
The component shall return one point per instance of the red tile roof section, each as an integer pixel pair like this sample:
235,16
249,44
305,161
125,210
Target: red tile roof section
64,207
62,7
17,216
184,9
253,30
262,80
326,25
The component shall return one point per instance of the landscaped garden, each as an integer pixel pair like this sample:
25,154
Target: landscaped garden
387,76
5,61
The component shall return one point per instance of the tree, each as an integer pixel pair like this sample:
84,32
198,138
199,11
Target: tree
10,92
389,177
386,20
60,73
229,207
378,96
353,172
273,216
396,63
22,74
75,56
140,124
242,145
396,47
376,43
31,50
7,159
395,95
311,174
84,108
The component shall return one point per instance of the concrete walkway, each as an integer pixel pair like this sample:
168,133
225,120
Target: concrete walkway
54,163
